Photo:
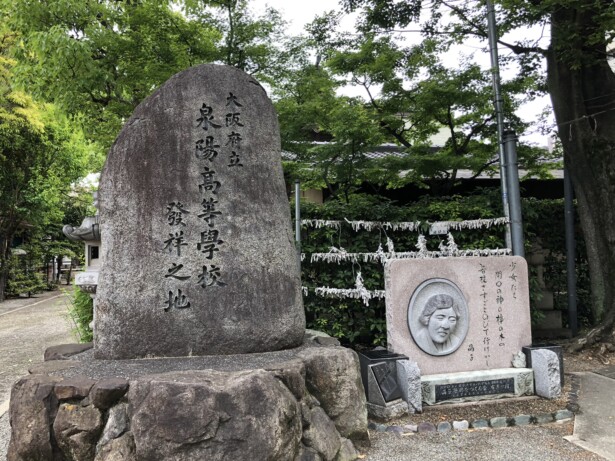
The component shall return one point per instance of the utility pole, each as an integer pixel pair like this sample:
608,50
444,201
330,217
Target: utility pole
495,73
298,218
514,195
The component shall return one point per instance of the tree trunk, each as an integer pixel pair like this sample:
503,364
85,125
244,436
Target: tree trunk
59,269
582,89
5,254
3,281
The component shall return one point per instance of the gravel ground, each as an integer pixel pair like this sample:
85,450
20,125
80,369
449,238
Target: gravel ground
543,443
25,333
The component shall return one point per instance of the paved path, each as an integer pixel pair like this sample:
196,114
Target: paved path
594,427
27,328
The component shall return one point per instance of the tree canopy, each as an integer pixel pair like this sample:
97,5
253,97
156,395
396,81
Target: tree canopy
101,59
41,155
408,97
575,46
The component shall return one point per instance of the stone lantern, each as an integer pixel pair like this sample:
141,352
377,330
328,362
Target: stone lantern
89,233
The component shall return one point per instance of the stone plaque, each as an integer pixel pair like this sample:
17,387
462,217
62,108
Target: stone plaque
458,314
198,253
474,388
386,376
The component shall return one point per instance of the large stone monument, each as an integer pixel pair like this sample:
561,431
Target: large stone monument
200,346
198,254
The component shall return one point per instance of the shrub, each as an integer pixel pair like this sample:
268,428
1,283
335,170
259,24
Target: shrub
23,279
81,314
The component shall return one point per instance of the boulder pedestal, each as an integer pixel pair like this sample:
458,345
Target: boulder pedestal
298,404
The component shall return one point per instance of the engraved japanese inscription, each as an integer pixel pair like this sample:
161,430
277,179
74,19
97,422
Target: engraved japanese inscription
438,317
211,197
474,388
458,314
199,256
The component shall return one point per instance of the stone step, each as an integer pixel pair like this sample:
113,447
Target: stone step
552,319
546,302
551,333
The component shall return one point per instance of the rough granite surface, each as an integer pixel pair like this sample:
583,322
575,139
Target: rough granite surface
85,364
274,405
198,255
545,364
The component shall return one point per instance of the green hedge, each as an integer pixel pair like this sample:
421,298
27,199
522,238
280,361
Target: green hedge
356,324
23,279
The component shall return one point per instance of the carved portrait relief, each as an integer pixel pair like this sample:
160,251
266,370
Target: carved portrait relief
438,317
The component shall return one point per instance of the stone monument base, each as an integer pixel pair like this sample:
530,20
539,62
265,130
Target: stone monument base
306,403
472,386
390,410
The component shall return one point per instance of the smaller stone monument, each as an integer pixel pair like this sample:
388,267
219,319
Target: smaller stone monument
458,314
558,350
545,364
462,320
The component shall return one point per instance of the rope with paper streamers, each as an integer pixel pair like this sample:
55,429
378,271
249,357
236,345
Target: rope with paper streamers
442,227
438,227
338,255
359,292
358,225
450,249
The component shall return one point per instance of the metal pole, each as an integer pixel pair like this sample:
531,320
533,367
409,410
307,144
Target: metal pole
514,196
499,113
298,217
571,275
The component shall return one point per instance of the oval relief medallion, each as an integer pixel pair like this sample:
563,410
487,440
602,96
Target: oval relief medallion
438,317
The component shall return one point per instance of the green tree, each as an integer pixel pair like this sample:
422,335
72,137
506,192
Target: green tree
256,44
41,154
582,88
24,277
101,59
409,97
309,110
414,97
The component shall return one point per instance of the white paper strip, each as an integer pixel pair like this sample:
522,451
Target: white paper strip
438,227
382,257
360,292
358,225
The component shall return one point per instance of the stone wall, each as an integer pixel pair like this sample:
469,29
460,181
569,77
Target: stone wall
310,407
